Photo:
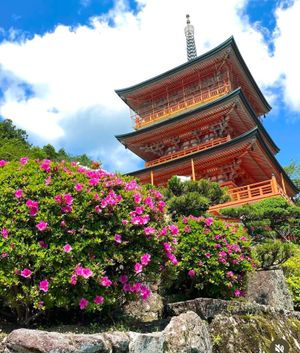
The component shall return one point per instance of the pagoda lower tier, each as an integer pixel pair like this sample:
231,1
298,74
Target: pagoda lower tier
244,164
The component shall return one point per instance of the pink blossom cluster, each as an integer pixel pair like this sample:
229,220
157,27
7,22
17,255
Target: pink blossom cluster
45,165
84,272
33,207
2,163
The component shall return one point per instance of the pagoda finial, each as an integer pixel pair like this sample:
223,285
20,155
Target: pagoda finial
190,41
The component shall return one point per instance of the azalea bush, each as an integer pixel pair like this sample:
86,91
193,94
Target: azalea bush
213,256
72,238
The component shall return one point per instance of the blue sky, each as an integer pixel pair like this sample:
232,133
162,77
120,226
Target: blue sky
60,62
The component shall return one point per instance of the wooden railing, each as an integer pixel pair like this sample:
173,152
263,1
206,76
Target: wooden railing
188,151
174,108
251,193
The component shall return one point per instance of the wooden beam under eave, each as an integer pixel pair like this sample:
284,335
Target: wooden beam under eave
193,170
283,183
152,177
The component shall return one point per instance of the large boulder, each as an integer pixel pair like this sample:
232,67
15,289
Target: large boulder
187,333
269,288
36,341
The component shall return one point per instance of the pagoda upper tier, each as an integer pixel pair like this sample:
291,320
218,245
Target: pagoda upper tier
189,86
196,130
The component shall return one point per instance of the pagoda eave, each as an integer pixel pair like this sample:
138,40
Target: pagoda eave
227,50
243,119
250,148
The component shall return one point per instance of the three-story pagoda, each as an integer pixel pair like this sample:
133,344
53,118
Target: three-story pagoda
201,120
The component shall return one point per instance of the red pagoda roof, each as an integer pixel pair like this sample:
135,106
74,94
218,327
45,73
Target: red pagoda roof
228,50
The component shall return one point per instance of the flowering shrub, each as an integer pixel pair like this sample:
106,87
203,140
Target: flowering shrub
77,238
213,258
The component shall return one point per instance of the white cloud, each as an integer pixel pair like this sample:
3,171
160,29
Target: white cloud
287,52
73,72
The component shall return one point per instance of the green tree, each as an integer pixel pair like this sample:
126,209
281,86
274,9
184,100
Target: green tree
273,218
192,197
293,170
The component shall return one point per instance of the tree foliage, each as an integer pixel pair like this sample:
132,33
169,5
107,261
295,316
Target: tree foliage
192,197
274,218
14,145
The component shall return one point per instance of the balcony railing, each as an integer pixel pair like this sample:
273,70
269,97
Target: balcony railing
251,193
174,108
188,151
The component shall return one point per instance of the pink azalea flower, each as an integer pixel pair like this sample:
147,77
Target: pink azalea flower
78,187
73,280
229,274
46,165
4,233
149,230
105,282
123,279
44,285
192,273
87,272
145,259
67,209
222,253
208,255
94,181
19,193
26,273
67,248
174,229
48,180
68,199
2,163
243,238
138,268
118,238
83,303
41,226
4,254
209,221
137,198
24,160
167,247
237,293
145,293
43,244
98,299
173,259
124,222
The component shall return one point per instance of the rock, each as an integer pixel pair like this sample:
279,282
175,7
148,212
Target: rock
269,288
35,341
208,308
118,340
253,333
146,342
145,311
187,333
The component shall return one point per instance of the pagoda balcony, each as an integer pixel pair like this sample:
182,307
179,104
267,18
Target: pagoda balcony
252,193
186,103
187,151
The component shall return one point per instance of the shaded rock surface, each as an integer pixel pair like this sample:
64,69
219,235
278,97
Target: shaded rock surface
269,288
145,311
253,333
208,308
